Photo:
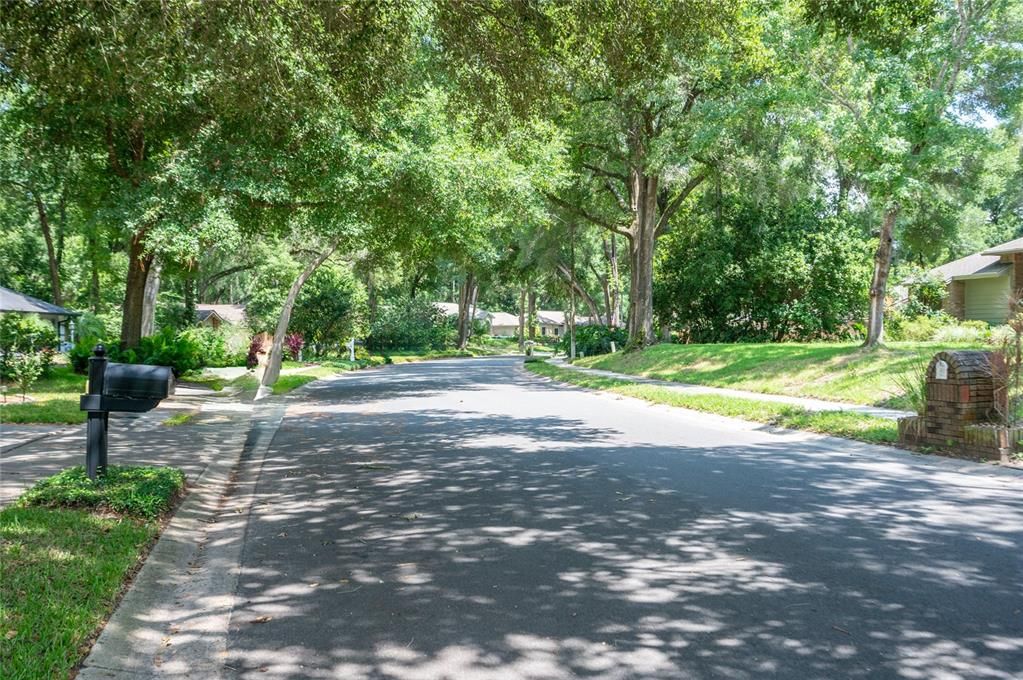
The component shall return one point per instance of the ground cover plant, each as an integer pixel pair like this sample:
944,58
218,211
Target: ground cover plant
839,423
834,371
53,399
68,547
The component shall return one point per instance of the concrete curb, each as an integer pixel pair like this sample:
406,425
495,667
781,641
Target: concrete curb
174,620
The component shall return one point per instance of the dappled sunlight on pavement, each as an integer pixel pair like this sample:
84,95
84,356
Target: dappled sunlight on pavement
461,520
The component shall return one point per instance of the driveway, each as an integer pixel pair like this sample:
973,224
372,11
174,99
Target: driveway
463,519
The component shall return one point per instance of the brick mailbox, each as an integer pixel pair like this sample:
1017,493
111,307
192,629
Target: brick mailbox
964,398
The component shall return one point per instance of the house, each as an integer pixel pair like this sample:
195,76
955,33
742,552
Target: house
551,323
504,325
980,285
63,320
450,309
216,315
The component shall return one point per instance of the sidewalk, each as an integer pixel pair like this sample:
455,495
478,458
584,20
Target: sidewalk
802,402
31,452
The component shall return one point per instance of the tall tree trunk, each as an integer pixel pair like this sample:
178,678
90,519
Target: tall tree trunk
531,319
273,364
879,281
614,276
93,244
641,259
189,285
152,290
466,300
522,318
135,290
51,253
372,303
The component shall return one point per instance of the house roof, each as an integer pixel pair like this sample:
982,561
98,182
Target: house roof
1014,246
205,314
503,319
13,301
972,266
451,309
550,317
229,313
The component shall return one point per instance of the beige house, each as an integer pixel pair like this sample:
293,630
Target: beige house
504,325
979,285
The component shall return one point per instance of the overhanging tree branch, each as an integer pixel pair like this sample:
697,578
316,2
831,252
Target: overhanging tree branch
676,203
610,226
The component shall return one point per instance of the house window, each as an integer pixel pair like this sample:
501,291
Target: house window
556,331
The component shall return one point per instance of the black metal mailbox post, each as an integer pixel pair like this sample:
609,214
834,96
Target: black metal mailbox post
128,388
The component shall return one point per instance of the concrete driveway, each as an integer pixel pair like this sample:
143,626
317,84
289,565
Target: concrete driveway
462,519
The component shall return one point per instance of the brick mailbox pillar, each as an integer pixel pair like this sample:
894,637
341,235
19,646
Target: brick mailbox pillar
963,392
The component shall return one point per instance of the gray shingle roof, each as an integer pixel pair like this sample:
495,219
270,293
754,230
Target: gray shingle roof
1014,246
13,301
977,264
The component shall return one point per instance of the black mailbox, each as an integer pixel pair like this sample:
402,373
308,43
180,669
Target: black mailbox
117,387
135,381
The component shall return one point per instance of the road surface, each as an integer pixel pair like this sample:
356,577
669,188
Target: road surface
463,519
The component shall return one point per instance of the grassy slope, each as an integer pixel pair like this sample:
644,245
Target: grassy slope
67,547
835,371
841,424
52,400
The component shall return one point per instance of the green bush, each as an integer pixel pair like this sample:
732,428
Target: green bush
144,492
167,348
919,329
211,344
593,340
23,333
967,331
410,324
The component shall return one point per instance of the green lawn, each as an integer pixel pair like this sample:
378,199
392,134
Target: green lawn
51,400
835,371
841,424
68,545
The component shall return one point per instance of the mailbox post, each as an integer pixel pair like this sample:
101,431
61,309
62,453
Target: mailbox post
98,421
117,387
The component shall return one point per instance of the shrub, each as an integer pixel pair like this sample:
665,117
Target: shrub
79,355
145,492
968,331
916,329
255,347
412,324
593,340
211,344
23,333
293,344
167,348
26,367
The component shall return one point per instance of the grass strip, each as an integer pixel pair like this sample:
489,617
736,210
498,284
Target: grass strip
68,547
838,423
180,419
834,371
142,492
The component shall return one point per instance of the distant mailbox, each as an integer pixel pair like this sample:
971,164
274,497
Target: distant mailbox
136,381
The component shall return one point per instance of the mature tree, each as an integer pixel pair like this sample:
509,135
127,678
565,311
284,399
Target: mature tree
138,83
633,82
910,85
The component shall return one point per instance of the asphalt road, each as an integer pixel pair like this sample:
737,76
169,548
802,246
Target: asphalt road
463,519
